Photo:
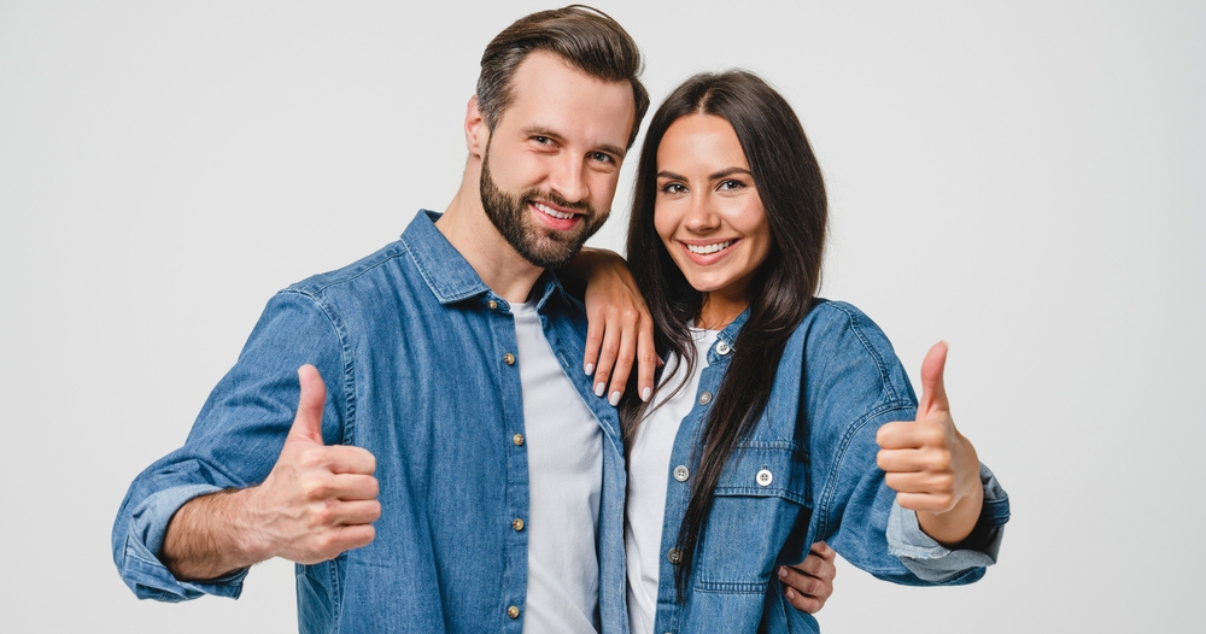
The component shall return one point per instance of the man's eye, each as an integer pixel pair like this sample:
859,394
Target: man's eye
601,157
543,140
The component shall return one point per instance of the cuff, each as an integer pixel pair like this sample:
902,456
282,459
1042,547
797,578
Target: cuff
141,568
933,562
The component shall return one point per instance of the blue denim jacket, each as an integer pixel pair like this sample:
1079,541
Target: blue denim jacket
803,476
411,345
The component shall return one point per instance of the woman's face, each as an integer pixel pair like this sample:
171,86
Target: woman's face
707,210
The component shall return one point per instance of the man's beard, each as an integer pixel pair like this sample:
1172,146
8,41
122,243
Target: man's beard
539,245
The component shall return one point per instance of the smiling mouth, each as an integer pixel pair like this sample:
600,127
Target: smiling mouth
552,213
708,249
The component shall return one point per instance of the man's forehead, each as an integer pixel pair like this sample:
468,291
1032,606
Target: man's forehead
547,92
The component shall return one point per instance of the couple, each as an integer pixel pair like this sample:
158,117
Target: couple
430,467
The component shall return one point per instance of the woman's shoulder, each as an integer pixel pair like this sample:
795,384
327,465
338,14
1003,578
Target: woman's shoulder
838,322
843,347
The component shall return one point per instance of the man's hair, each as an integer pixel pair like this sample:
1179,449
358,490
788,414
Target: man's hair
583,36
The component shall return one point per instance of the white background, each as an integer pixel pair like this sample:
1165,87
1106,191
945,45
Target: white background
1024,179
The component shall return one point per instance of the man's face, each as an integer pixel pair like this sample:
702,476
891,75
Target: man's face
550,167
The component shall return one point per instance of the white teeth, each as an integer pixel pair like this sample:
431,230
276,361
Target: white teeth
552,212
705,249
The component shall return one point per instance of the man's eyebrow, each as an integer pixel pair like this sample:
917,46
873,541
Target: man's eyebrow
539,130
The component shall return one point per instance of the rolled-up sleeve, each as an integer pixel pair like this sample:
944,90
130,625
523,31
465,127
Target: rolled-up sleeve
234,442
933,562
144,572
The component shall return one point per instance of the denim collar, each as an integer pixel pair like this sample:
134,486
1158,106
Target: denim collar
728,336
449,276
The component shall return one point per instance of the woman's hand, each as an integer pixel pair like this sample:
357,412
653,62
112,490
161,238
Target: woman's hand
810,582
931,466
620,329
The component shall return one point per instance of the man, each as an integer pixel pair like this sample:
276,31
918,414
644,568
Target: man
440,463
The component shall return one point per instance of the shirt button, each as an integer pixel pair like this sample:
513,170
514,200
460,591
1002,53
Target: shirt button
517,524
705,398
723,348
764,478
681,473
517,439
675,555
492,304
513,612
509,359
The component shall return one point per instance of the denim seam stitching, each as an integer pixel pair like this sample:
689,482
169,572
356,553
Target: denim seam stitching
823,505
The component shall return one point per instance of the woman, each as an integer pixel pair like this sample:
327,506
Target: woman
767,425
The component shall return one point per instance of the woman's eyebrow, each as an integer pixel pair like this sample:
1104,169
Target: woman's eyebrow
729,172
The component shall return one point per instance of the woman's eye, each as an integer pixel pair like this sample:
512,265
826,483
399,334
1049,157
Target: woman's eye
673,188
731,184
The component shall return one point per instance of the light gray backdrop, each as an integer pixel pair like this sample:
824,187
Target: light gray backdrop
1023,179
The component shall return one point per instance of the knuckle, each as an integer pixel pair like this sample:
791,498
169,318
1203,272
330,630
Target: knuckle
315,489
323,513
312,458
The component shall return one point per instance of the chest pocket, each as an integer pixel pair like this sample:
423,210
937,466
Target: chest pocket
759,518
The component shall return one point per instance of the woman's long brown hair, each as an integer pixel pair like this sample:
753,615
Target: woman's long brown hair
789,182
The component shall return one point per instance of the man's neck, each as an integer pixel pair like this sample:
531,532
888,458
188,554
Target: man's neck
471,232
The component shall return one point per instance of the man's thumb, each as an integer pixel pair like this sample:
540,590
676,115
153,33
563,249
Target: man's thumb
307,425
933,391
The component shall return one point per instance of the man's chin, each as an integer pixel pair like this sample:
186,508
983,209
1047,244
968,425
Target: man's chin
551,258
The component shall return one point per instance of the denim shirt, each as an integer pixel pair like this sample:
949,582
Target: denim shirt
416,353
806,472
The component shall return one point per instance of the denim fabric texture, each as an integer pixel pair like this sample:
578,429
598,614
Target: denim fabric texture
804,476
411,345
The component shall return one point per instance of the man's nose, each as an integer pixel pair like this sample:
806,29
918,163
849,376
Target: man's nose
569,180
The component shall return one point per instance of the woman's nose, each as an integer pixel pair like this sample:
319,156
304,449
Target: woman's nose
702,216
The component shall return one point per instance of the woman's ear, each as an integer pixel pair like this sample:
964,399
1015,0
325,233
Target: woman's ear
477,133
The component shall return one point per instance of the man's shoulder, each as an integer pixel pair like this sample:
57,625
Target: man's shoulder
367,270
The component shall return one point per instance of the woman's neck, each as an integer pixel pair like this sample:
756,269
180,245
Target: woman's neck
719,311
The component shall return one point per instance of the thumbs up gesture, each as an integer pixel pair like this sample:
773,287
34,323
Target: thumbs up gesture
931,466
319,500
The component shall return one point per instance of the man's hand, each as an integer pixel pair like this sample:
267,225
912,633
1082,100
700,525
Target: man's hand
317,502
931,466
620,328
810,582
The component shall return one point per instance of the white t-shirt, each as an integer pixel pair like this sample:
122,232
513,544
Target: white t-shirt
565,474
648,476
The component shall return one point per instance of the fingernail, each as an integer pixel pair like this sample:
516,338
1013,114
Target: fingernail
646,393
590,369
791,594
615,399
599,387
782,572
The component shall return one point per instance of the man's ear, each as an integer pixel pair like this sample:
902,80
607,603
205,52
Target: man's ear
477,133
